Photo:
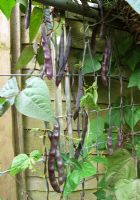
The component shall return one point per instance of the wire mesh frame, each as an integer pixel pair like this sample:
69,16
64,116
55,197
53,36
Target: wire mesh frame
107,108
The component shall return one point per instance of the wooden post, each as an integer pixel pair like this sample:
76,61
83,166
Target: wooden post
7,183
17,117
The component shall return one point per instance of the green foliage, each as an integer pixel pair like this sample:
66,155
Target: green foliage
113,117
134,79
135,5
23,2
123,42
132,58
23,161
89,100
82,170
137,145
120,166
35,154
132,116
36,19
4,105
92,64
25,57
101,160
6,7
128,189
40,56
34,101
95,135
10,90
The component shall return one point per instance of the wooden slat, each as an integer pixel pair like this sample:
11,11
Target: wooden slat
7,184
38,184
17,117
37,195
35,181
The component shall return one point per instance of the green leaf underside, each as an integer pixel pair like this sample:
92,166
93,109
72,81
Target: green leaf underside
10,90
40,56
123,41
36,19
100,194
113,118
132,116
25,57
34,101
6,7
23,2
134,80
23,161
135,4
74,178
95,134
20,163
128,189
91,65
35,154
120,166
4,105
132,58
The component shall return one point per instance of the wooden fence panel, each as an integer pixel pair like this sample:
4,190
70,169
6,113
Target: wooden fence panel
7,183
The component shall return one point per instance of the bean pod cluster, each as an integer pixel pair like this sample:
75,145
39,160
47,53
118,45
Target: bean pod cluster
63,55
55,158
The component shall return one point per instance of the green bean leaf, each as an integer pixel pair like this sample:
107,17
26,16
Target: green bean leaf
6,7
25,57
36,19
34,101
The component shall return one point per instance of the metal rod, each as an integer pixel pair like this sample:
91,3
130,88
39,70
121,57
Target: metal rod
68,5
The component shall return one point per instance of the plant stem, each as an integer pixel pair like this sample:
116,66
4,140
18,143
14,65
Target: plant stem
68,5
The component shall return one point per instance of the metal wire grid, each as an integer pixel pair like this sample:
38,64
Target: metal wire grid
107,107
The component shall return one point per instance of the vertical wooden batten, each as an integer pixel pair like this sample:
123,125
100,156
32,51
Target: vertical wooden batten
7,183
17,117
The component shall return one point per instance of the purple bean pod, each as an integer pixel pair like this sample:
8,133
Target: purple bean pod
84,130
109,142
106,60
120,139
63,56
51,165
79,95
60,165
47,54
28,14
93,39
54,139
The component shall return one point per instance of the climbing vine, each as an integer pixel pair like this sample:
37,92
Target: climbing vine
107,140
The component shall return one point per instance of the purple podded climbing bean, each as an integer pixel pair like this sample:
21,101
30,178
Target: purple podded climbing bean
120,139
84,130
79,95
55,156
47,54
63,55
28,14
54,138
106,60
109,141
